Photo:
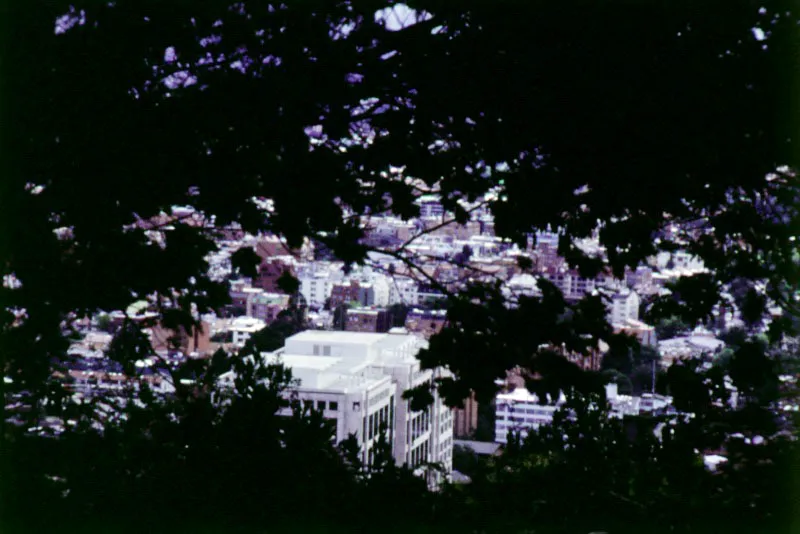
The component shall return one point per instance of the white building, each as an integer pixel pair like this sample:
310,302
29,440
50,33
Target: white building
403,291
574,286
243,328
522,411
375,291
623,306
316,287
429,206
357,380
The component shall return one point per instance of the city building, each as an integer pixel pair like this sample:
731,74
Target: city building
194,340
374,292
367,320
316,286
425,322
639,278
242,328
345,292
403,291
270,271
466,418
645,333
521,411
357,380
240,293
430,207
623,307
427,293
269,246
266,306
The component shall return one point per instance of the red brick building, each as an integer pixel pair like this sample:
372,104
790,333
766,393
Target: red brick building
269,272
345,292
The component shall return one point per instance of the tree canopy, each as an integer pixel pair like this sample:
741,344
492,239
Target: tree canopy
613,118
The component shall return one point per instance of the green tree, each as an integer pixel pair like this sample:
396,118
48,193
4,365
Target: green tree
104,323
671,327
340,316
466,460
287,323
398,313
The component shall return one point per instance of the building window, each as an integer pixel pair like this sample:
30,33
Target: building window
320,405
308,403
326,350
316,350
333,406
356,406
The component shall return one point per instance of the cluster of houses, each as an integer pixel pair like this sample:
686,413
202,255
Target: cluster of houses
367,323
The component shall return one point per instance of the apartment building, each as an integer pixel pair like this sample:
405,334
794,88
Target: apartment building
375,291
243,329
316,287
403,291
266,306
623,307
367,320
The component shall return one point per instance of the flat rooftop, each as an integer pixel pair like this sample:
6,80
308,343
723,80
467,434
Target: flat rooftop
327,336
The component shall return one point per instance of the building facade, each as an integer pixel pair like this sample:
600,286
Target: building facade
357,380
403,291
425,322
243,328
521,411
367,320
316,287
466,418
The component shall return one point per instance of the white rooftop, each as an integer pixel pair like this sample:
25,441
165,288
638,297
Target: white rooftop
344,361
519,395
327,336
247,324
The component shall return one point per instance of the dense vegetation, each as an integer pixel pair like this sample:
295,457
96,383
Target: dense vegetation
579,116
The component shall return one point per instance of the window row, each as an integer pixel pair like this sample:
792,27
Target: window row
418,455
321,405
375,421
326,350
419,425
